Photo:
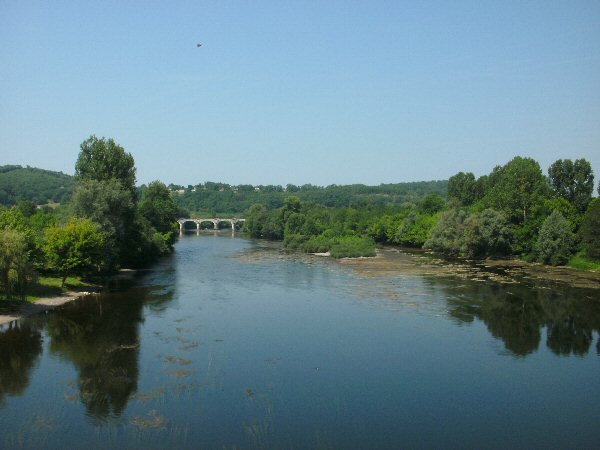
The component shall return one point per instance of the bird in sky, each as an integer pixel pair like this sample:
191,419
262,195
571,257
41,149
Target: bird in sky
198,45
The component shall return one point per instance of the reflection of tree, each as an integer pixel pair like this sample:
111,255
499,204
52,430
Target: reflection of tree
571,320
517,313
101,338
20,346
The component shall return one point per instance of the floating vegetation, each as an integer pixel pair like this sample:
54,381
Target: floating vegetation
153,420
176,359
180,373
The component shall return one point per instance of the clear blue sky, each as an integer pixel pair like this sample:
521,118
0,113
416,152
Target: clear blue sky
301,92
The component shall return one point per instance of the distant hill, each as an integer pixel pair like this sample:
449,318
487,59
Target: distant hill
220,198
38,185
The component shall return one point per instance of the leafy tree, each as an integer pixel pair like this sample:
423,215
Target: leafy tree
74,248
555,243
431,204
590,230
158,207
27,207
112,207
572,181
103,160
462,187
415,229
486,234
447,236
516,188
255,221
14,262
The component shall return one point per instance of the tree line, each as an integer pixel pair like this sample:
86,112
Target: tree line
221,199
106,225
514,211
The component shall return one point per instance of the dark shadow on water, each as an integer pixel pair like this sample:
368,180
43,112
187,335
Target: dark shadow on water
20,347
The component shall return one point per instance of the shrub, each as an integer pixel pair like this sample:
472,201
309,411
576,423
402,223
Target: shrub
555,242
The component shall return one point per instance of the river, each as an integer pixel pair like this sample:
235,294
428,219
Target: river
231,343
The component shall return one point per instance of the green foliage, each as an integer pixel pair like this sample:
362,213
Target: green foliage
35,185
103,160
580,261
414,229
447,236
352,247
159,209
223,199
516,188
111,206
480,234
15,270
486,234
461,187
589,231
255,220
572,181
75,248
431,204
555,243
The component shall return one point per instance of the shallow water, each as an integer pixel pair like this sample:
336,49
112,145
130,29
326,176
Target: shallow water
230,343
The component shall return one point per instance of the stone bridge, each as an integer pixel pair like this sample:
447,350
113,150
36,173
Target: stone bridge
216,221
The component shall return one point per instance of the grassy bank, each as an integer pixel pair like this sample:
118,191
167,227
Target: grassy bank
579,261
47,287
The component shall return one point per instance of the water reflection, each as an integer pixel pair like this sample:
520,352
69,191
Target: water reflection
20,347
100,337
516,314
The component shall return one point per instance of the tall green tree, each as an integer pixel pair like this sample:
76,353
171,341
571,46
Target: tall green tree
572,181
516,188
75,248
103,159
462,188
112,207
158,207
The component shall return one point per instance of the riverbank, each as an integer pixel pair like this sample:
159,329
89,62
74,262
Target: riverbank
51,301
42,305
391,261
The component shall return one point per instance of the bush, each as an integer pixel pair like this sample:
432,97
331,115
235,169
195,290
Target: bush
352,247
556,240
486,234
447,236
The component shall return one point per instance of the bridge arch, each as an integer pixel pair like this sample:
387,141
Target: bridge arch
215,221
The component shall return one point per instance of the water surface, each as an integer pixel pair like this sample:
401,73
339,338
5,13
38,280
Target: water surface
230,343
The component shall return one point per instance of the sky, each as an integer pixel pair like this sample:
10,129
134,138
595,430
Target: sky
320,92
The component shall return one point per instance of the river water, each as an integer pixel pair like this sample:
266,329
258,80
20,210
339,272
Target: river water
230,343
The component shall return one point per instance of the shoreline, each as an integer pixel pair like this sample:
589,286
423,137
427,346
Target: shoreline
42,305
